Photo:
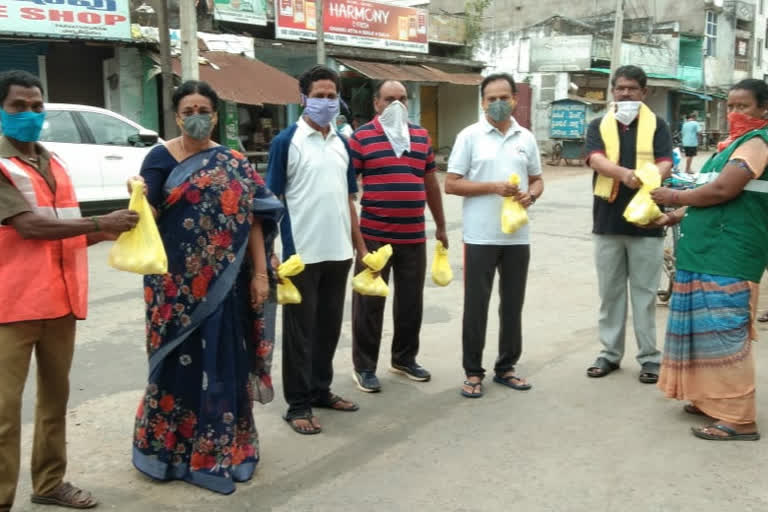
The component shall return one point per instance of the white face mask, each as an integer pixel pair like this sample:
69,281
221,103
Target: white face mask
627,111
394,121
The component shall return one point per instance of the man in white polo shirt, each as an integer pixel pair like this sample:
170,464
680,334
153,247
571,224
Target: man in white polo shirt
483,158
310,168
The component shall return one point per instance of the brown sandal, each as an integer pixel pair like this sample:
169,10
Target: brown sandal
66,495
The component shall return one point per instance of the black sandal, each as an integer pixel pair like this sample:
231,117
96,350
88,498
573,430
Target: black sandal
291,420
330,403
649,373
601,368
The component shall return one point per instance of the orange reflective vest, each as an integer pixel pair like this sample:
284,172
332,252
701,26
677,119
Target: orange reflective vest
42,279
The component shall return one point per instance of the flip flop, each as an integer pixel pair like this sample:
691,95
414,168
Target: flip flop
473,385
509,381
306,416
603,367
701,433
763,318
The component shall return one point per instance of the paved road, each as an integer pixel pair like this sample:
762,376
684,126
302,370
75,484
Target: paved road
571,444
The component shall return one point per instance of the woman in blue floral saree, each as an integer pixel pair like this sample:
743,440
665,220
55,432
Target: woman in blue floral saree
210,326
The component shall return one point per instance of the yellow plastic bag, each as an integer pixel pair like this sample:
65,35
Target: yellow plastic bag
642,209
442,274
287,293
369,282
377,259
513,215
140,250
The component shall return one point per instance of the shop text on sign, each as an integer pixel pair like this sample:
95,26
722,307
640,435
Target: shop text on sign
354,23
74,19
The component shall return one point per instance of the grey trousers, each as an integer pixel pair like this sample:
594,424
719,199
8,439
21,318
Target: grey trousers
637,259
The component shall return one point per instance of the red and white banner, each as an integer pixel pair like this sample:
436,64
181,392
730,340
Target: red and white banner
354,23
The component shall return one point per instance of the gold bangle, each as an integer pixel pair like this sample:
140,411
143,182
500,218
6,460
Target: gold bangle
95,221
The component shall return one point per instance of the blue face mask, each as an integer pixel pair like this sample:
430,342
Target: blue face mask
321,110
22,126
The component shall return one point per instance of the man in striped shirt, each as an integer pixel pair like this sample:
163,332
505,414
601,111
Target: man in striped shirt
397,165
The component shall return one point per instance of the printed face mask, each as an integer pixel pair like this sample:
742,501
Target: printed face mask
394,121
740,124
627,111
198,126
499,110
321,110
22,126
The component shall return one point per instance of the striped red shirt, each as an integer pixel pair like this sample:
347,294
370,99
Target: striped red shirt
393,188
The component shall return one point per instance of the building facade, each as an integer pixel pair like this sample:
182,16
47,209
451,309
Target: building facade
692,50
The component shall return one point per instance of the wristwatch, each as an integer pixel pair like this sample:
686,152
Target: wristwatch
533,199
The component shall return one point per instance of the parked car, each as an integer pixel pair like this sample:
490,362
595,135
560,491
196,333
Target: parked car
102,150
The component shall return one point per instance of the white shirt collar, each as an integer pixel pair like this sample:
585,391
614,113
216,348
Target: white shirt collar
513,128
305,130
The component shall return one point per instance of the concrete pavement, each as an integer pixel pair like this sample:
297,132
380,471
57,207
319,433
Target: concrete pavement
570,444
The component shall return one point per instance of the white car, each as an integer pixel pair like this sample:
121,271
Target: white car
102,149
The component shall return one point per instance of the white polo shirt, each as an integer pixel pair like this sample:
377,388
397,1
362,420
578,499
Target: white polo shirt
482,153
317,195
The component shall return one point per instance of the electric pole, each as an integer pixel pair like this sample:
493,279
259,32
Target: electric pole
618,31
189,58
166,70
320,32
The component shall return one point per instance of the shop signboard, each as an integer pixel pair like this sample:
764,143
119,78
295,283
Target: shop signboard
249,12
230,135
71,19
561,53
568,119
354,23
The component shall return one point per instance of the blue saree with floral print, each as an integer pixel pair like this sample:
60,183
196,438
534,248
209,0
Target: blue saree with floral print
209,351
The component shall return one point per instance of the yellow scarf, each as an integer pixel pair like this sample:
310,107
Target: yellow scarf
608,188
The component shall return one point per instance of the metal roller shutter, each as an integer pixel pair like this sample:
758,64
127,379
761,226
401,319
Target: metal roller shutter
20,55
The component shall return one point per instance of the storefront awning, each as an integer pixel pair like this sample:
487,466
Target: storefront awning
696,94
410,73
245,80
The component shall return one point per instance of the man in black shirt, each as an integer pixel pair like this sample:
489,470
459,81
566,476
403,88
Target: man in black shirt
625,252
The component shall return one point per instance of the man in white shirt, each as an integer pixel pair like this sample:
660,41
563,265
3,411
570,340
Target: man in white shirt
483,158
310,168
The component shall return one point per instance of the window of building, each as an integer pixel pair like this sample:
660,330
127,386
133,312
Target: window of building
759,47
547,91
744,25
742,48
711,33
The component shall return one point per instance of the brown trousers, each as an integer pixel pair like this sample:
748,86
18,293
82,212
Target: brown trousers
53,342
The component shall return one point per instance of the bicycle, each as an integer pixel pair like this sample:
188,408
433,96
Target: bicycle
671,235
677,181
